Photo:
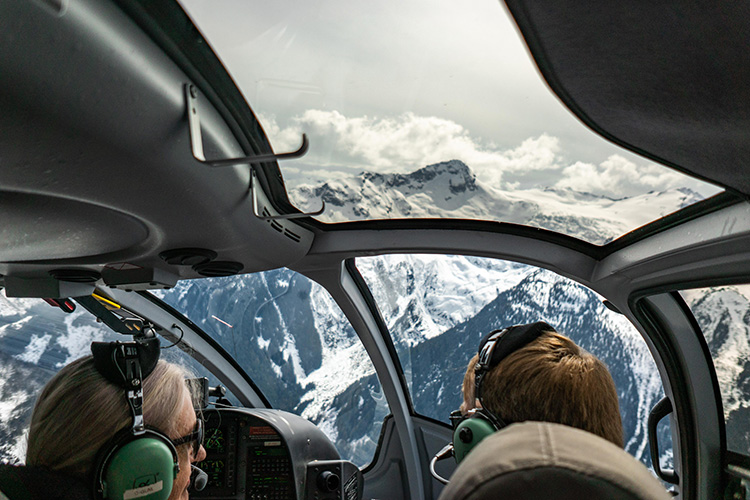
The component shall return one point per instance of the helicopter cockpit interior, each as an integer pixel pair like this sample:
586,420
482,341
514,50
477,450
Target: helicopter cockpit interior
320,209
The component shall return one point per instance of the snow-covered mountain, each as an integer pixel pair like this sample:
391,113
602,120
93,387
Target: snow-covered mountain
451,190
293,340
295,343
571,309
422,296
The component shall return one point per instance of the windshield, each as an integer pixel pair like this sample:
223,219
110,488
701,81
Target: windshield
438,304
428,109
36,341
297,346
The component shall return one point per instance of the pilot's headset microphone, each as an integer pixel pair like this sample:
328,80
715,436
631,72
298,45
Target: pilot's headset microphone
478,423
140,461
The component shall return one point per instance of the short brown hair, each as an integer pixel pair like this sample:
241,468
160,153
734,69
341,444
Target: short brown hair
553,380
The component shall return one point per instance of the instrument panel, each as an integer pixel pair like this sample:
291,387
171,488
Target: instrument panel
266,454
221,452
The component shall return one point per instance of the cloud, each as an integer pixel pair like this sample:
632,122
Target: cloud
344,145
405,143
619,177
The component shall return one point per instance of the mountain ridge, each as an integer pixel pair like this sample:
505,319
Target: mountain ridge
450,189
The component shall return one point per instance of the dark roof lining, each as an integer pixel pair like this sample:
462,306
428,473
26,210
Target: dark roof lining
581,246
624,70
173,30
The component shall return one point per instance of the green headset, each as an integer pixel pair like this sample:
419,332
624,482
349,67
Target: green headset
139,463
497,345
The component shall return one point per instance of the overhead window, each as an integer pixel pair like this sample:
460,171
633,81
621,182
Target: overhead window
437,308
723,314
297,346
428,109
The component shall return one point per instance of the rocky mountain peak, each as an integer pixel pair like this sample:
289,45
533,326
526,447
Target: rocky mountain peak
455,173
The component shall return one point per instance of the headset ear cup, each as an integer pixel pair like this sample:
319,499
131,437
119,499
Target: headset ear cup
142,467
470,433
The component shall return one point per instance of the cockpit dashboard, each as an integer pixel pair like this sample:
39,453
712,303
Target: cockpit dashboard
262,454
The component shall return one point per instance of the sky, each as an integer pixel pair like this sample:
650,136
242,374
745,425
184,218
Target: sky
392,86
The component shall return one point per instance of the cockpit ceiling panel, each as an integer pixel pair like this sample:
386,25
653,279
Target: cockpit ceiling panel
47,228
665,79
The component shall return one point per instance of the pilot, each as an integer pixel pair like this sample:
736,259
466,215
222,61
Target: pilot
537,374
79,412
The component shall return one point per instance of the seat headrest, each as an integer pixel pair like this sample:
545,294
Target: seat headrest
534,460
32,483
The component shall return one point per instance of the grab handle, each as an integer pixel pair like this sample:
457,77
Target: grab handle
660,410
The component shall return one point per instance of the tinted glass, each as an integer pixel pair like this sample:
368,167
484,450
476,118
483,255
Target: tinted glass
723,314
295,343
419,108
437,309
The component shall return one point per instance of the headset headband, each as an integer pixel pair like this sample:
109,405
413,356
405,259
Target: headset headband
116,361
498,345
126,364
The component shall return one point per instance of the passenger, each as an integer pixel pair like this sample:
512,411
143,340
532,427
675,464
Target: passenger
79,412
549,379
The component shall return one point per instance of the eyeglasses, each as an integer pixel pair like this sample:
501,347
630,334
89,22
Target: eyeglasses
196,437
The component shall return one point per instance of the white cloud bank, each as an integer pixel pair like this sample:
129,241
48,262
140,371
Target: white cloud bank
616,177
407,142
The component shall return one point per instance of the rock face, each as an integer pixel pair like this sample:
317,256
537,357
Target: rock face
35,341
435,335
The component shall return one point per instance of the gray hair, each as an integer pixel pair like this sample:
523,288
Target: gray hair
78,412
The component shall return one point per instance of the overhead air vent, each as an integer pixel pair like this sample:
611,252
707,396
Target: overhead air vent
293,236
76,275
278,227
218,268
188,256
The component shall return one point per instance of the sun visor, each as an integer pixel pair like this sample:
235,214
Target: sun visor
667,80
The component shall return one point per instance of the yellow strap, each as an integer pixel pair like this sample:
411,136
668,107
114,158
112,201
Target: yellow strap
106,302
